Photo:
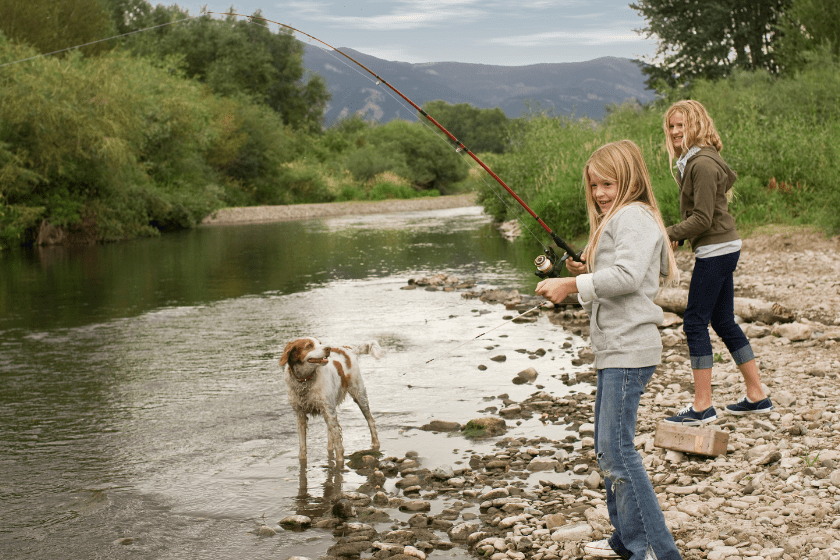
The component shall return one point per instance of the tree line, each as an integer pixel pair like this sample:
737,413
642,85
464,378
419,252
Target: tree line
154,130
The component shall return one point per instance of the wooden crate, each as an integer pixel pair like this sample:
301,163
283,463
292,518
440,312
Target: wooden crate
691,439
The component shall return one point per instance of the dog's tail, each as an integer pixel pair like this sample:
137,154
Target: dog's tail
371,347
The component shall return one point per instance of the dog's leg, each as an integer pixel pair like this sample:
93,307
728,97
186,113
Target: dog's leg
361,399
301,424
334,440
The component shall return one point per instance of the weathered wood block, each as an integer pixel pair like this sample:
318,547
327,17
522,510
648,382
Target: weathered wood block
691,439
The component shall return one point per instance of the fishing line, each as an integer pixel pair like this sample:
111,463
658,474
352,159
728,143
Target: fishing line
515,213
485,332
378,84
97,41
459,145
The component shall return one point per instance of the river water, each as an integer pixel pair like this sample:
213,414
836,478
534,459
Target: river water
143,413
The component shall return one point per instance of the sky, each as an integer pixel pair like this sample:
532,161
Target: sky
497,32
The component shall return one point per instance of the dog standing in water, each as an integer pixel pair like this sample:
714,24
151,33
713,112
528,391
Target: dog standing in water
318,378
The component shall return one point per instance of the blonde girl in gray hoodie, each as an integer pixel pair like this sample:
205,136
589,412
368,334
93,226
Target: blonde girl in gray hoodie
627,256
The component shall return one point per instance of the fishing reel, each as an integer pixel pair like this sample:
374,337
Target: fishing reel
548,266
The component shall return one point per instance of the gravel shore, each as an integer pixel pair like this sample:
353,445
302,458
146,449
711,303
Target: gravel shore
774,494
264,214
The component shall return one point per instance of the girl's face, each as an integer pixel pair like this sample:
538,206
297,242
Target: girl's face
604,191
676,130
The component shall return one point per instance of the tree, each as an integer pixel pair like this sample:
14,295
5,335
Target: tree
410,151
808,28
481,130
53,26
232,56
710,38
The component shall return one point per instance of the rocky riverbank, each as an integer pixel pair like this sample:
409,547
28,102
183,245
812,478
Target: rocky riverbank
774,494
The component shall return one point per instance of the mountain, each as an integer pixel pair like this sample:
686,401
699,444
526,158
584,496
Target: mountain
571,88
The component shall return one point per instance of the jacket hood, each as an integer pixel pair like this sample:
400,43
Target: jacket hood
711,153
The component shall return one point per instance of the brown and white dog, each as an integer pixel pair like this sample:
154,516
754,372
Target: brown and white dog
318,378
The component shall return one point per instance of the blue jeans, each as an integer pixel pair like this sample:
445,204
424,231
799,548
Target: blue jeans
631,502
711,298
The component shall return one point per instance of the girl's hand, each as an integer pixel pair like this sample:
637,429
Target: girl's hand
556,289
675,245
576,268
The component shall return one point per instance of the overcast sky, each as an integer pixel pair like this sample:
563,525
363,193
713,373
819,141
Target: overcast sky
501,32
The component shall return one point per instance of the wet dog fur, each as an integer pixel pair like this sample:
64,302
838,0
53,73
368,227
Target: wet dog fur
318,378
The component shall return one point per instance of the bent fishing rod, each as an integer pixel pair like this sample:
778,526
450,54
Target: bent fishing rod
548,265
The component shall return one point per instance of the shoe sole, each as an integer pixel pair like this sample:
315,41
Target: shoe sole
692,422
743,412
599,554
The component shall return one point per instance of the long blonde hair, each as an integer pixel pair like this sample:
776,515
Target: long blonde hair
622,164
699,129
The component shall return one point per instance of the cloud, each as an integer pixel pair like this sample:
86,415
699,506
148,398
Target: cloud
596,36
393,16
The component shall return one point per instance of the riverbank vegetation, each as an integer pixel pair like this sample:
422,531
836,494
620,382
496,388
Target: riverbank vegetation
779,133
154,131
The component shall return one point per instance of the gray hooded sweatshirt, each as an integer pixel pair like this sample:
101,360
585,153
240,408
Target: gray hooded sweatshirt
618,295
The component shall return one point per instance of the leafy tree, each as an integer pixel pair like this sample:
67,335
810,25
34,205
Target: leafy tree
809,28
233,57
709,38
52,26
343,135
481,130
410,151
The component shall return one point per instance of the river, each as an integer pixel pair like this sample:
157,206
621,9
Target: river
143,413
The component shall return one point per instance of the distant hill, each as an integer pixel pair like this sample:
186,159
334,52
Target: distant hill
571,88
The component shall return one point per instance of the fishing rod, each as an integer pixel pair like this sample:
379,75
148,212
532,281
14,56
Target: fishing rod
547,264
487,331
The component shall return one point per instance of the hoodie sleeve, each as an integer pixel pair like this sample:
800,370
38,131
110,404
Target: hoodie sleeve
705,176
635,236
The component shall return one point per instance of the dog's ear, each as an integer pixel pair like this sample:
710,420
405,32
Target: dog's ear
288,353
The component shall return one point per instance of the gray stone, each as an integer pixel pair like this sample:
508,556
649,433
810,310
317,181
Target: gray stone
266,531
526,376
542,464
576,532
441,426
462,531
416,505
295,521
554,520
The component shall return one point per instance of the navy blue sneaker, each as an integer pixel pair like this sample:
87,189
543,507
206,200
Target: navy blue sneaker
690,417
744,406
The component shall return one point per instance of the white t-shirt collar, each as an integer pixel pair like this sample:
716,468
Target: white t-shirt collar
684,158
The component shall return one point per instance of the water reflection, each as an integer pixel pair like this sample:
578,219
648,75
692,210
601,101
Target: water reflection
49,287
140,392
317,506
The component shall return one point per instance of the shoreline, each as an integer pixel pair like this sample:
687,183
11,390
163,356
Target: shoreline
774,494
290,212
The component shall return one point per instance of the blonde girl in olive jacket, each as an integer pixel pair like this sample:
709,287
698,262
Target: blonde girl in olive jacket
705,182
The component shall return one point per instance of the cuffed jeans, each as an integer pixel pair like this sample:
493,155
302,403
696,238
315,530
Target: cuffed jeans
631,502
711,299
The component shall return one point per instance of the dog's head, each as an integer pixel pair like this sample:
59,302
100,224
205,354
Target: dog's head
303,356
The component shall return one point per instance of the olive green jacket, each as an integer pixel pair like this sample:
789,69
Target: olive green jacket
703,204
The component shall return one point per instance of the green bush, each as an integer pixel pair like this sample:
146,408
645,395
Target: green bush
409,150
545,169
779,135
373,159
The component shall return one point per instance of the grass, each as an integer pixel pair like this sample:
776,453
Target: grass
779,135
